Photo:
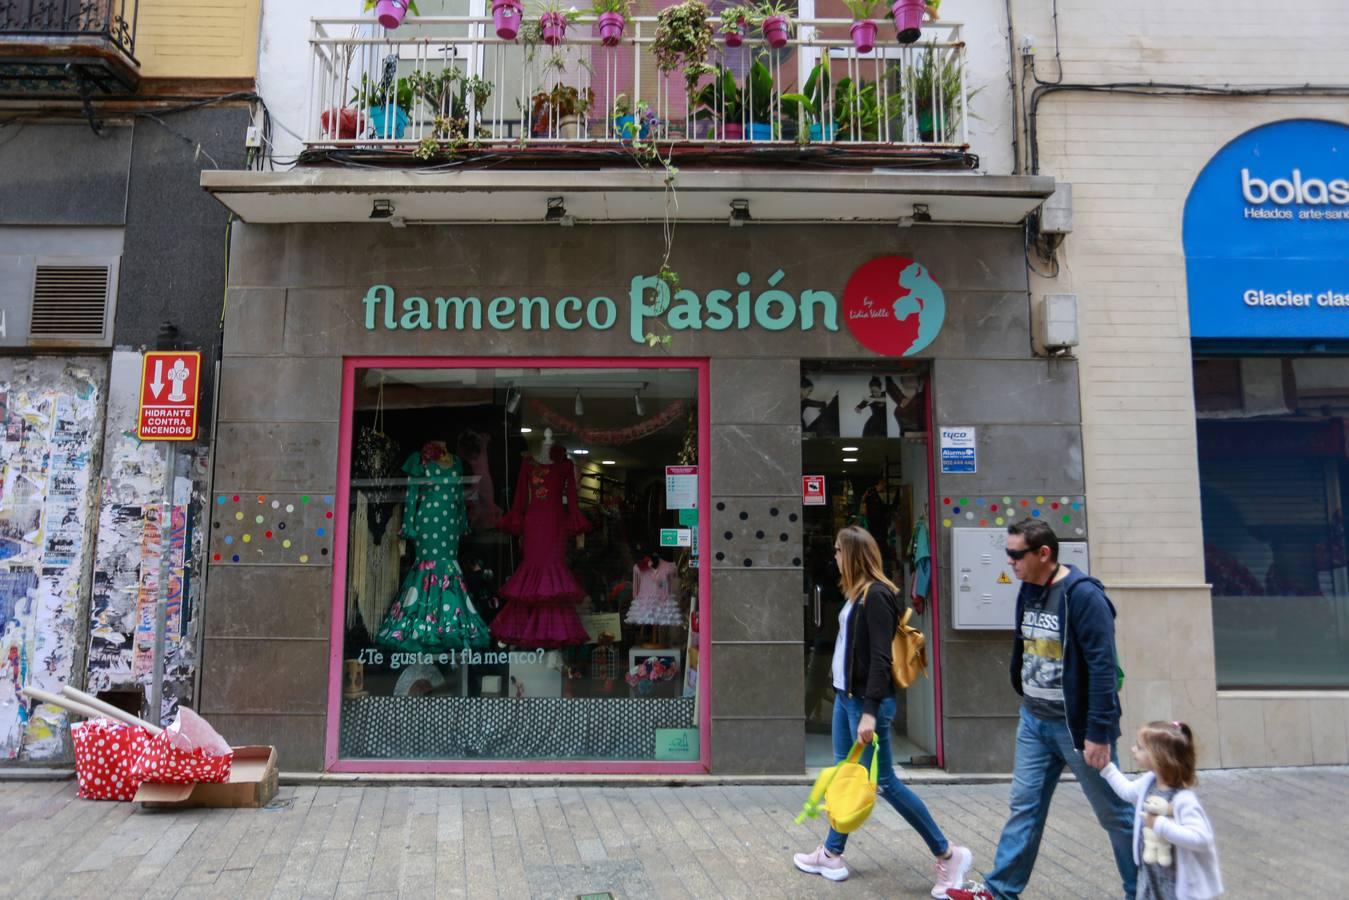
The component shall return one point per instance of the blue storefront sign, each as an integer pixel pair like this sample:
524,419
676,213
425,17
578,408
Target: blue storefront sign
1266,235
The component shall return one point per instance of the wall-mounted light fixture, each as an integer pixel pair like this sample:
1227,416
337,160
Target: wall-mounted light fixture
637,403
920,213
382,209
580,406
513,396
557,212
740,213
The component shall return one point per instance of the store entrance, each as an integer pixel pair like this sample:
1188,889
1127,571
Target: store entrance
865,458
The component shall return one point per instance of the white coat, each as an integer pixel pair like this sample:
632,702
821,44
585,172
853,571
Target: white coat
1187,829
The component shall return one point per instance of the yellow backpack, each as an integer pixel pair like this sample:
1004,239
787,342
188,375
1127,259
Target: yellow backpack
908,652
846,791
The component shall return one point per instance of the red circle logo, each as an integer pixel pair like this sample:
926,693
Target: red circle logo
893,307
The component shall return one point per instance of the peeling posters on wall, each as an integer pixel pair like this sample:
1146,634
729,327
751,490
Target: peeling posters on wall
52,436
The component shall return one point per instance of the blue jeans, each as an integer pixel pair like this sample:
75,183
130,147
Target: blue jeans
847,713
1042,748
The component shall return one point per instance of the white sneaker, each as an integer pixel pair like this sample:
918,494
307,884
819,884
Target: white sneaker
952,870
821,863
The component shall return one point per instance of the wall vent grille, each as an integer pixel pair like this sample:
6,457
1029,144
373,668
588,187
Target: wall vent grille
71,302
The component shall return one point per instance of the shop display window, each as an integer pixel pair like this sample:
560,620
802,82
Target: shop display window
1274,482
521,568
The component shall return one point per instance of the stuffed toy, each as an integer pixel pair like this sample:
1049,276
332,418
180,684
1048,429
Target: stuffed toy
1156,849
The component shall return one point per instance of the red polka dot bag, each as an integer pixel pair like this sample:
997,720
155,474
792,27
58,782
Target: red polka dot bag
106,753
189,751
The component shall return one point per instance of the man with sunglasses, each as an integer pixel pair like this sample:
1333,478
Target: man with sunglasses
1064,667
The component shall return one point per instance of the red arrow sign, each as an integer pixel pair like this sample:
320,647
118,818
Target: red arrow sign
170,382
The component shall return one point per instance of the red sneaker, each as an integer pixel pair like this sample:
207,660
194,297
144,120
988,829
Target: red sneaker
977,892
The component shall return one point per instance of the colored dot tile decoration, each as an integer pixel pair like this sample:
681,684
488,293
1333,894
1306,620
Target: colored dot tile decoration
305,521
1067,515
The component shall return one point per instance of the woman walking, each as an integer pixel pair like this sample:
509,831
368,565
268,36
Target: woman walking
864,705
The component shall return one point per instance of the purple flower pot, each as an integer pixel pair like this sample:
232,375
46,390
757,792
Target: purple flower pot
390,12
611,28
554,28
863,35
775,31
506,17
908,19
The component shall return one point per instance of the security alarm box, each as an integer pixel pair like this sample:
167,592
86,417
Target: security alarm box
985,586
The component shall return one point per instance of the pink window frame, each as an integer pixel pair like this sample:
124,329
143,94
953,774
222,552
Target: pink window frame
332,762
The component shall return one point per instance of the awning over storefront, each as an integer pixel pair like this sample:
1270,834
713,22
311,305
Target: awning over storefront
414,198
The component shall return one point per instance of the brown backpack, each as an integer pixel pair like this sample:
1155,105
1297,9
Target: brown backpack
908,652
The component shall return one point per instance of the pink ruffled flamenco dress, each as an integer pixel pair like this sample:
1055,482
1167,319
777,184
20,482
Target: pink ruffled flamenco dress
541,596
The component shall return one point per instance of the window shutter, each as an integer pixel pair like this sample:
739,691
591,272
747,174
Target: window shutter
72,303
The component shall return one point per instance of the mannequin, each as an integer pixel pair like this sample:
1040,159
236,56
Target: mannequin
433,612
655,600
542,594
542,457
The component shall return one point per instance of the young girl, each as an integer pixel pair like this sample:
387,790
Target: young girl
1165,753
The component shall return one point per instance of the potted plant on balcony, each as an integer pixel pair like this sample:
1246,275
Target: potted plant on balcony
682,41
814,103
389,103
863,29
860,110
632,124
908,16
934,79
560,110
454,98
735,24
553,21
506,18
390,12
775,18
612,17
722,100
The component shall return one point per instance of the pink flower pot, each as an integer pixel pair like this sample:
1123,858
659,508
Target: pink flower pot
735,38
506,16
863,35
611,28
390,12
908,19
554,28
775,31
733,131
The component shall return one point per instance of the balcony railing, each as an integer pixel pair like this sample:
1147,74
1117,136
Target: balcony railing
55,46
113,20
440,85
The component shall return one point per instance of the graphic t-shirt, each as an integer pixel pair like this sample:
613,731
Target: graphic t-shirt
1042,653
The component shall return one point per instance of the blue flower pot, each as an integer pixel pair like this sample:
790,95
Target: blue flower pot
386,125
819,132
760,131
626,127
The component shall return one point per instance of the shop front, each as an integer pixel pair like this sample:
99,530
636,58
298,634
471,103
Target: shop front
1265,228
494,499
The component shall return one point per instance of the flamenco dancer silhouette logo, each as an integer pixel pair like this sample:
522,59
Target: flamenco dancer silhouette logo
892,306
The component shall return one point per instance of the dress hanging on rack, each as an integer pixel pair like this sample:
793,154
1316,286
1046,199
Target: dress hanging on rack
542,594
655,601
483,512
433,612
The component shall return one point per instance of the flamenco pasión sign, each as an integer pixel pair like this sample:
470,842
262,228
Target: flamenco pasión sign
890,305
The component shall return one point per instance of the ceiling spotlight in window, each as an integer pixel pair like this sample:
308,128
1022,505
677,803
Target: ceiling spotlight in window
580,406
637,403
525,429
581,452
850,459
513,396
606,462
849,449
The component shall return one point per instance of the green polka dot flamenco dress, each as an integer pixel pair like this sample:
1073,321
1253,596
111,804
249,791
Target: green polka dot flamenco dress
433,612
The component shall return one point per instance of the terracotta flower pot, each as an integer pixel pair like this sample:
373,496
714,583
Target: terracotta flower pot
611,28
506,16
863,35
775,31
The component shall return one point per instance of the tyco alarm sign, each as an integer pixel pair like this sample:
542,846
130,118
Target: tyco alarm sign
812,490
169,387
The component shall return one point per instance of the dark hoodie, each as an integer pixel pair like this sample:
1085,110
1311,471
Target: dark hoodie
1089,659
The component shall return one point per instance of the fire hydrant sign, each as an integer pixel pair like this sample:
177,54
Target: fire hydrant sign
169,383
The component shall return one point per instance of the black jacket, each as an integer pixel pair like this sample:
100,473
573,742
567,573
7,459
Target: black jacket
871,629
1089,659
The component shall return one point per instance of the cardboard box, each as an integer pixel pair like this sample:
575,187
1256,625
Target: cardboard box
252,784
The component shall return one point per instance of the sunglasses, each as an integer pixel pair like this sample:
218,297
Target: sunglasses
1017,554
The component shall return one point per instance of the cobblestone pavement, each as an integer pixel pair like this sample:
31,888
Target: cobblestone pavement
1281,832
